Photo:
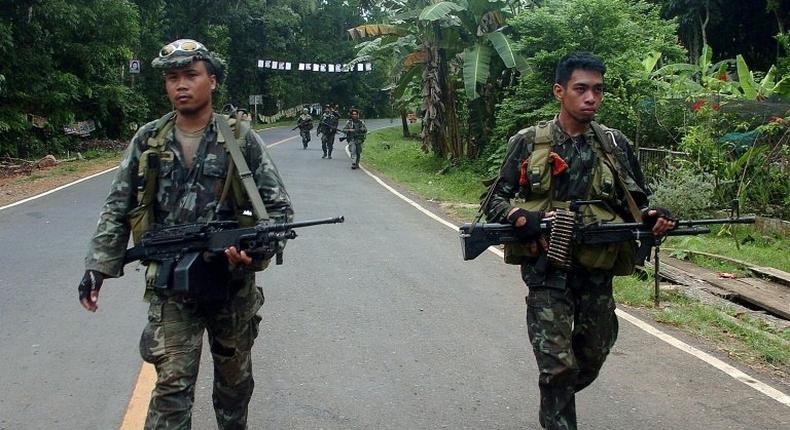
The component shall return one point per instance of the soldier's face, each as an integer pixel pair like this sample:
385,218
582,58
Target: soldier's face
189,88
582,95
354,115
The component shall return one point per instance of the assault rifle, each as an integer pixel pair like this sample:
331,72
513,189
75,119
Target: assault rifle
568,230
192,255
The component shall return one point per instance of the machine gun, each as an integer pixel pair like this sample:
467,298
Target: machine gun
567,230
191,256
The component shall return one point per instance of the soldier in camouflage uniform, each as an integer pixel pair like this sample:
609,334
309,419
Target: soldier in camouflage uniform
570,312
327,129
304,123
356,131
193,168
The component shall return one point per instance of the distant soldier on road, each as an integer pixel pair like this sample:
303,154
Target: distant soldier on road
356,132
327,128
174,173
304,123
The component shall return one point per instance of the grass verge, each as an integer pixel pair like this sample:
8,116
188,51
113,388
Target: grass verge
457,187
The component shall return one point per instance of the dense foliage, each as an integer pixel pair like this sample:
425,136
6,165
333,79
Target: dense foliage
67,61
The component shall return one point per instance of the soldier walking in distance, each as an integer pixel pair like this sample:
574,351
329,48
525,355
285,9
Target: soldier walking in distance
570,312
356,132
327,128
305,123
173,173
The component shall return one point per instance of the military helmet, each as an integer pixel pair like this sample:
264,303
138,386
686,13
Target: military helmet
305,110
181,52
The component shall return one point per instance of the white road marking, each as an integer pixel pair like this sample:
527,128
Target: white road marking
57,189
10,205
707,358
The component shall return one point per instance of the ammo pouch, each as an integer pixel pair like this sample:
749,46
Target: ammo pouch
537,184
199,278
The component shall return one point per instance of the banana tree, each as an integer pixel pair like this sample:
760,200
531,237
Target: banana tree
688,80
453,42
768,86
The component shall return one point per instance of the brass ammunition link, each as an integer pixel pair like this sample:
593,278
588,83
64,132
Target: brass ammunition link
559,252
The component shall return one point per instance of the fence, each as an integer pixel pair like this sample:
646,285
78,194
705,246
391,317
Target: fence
654,161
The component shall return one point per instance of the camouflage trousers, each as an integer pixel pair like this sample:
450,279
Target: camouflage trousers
305,137
328,143
355,148
572,329
172,341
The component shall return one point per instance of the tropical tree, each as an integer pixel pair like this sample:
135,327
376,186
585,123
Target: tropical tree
445,44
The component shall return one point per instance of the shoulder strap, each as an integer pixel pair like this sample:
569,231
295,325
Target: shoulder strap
543,133
244,171
602,133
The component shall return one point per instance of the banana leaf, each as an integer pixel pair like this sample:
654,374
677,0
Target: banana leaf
476,68
439,10
404,80
504,47
745,78
369,30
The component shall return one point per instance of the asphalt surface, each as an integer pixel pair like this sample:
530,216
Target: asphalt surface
376,323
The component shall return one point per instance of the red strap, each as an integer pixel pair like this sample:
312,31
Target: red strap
523,180
558,165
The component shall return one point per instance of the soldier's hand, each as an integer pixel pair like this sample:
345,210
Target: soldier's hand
235,257
89,289
526,223
660,219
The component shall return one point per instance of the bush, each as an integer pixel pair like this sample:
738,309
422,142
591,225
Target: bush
684,190
619,31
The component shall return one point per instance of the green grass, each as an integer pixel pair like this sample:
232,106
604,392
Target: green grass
458,189
740,335
758,249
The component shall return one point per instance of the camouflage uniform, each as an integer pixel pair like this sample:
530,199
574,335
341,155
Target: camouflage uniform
571,317
356,130
172,339
305,124
328,127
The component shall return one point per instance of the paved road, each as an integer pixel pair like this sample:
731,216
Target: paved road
371,324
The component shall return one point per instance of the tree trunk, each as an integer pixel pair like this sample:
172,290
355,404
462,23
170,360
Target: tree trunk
453,144
704,24
404,123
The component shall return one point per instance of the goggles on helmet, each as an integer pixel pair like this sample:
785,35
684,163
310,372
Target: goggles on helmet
181,45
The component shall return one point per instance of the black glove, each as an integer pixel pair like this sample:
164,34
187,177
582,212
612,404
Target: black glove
660,213
530,230
91,280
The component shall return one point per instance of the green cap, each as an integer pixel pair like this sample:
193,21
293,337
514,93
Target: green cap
186,51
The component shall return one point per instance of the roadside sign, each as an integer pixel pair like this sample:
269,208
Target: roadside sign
256,99
134,66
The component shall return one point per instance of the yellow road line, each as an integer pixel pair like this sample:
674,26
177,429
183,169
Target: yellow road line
136,410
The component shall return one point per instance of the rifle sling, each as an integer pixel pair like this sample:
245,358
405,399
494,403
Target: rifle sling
245,174
632,206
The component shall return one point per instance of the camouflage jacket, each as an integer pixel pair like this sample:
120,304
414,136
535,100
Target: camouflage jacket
328,123
355,130
183,195
305,122
572,184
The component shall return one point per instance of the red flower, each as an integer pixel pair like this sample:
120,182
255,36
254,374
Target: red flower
698,105
715,106
724,77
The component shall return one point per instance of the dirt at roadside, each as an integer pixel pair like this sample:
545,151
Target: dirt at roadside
20,187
